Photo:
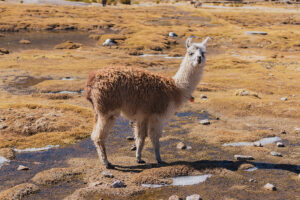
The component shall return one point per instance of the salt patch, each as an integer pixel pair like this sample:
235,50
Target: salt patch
263,141
37,149
2,161
190,180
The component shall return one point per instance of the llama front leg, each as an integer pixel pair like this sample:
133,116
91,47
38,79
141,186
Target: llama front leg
155,131
100,132
140,135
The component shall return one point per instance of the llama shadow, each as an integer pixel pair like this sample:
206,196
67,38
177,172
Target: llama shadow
210,164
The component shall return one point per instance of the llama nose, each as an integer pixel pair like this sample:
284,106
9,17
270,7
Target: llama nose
199,59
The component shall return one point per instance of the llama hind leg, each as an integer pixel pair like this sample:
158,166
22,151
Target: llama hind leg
140,135
100,132
154,131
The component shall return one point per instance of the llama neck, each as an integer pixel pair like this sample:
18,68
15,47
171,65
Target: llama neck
188,77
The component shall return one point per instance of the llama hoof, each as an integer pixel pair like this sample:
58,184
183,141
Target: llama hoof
109,166
141,161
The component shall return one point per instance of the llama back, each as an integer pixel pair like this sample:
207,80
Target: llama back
131,89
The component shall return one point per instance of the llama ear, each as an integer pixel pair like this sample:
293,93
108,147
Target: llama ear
205,41
188,41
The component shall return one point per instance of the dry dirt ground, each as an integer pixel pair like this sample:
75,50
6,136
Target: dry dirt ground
245,80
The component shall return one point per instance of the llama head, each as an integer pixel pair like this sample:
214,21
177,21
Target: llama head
196,51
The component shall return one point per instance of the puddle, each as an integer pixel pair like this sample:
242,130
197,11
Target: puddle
43,40
55,2
153,185
251,169
66,92
182,181
67,78
37,149
22,84
264,141
2,161
190,180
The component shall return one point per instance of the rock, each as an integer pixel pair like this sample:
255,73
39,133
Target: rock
133,148
255,33
205,122
172,34
24,42
283,132
257,144
130,138
19,191
3,51
273,153
242,92
2,119
270,186
7,153
107,174
181,145
280,144
118,184
243,157
194,197
110,42
175,197
284,99
251,180
22,167
3,126
68,45
204,97
94,184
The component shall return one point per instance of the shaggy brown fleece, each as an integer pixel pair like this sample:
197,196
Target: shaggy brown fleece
130,89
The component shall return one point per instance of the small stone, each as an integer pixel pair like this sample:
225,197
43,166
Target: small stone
204,97
273,153
205,122
194,197
133,148
94,184
110,42
2,119
297,130
270,186
243,157
130,138
181,145
22,167
107,174
3,51
175,197
3,126
24,42
251,180
284,99
255,33
280,144
172,34
217,118
257,144
118,184
283,132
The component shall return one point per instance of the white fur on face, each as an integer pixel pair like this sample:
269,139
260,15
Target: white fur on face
196,54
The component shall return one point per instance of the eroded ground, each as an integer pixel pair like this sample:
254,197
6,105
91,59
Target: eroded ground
245,79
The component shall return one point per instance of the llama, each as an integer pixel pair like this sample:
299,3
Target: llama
149,99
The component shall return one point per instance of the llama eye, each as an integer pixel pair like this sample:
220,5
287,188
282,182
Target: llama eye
191,53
